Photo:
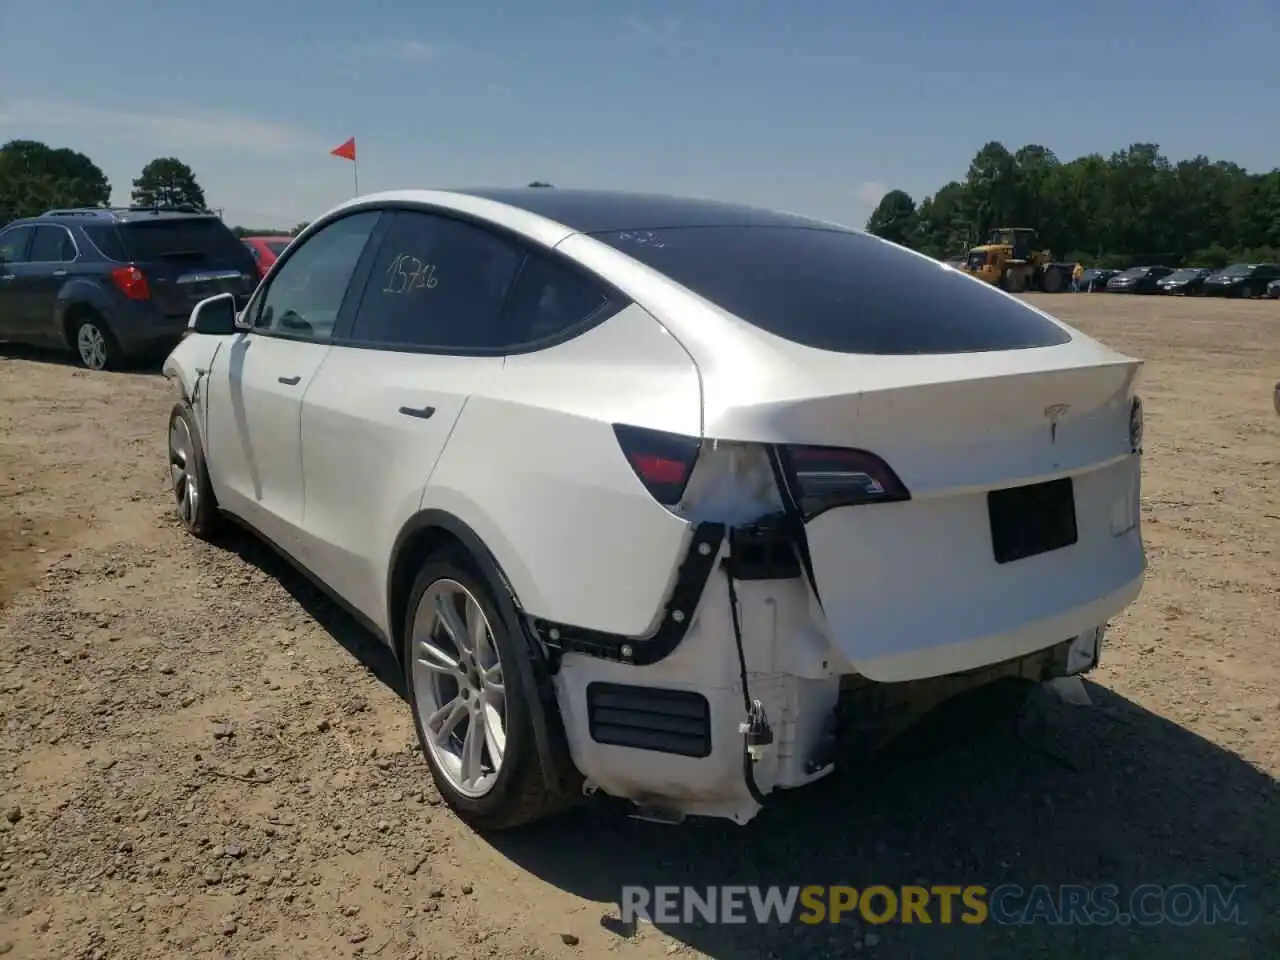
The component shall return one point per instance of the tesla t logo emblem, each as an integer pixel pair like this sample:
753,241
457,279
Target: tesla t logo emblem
1055,412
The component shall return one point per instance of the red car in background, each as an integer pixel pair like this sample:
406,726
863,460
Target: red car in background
265,250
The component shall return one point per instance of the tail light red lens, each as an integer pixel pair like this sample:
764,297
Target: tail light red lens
132,282
662,461
825,477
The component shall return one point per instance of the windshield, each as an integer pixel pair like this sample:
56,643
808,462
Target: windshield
277,246
1236,270
838,290
1132,273
1186,273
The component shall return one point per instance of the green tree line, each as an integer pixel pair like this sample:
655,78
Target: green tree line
1134,207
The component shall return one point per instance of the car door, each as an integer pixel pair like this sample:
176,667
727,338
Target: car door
38,281
428,328
14,245
258,381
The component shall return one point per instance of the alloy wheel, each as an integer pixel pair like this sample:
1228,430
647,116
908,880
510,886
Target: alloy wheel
92,346
458,687
182,476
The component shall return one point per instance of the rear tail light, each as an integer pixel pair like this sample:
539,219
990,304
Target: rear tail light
662,461
132,282
825,477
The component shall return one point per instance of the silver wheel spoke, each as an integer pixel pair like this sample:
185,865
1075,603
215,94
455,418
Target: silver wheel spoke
436,660
473,749
495,737
457,675
477,632
492,677
453,626
444,721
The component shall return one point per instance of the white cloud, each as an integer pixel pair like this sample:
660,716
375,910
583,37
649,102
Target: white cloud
228,132
398,50
868,194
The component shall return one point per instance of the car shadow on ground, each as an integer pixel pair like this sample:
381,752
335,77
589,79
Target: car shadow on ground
1104,794
62,358
346,630
1094,795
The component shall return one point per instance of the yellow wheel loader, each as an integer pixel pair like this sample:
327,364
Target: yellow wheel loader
1008,261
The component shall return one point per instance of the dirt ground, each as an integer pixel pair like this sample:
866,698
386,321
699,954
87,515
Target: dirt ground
202,757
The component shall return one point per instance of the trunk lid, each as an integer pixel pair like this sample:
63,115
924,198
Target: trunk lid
1021,530
956,578
186,259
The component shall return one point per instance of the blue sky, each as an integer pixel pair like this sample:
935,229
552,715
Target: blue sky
814,106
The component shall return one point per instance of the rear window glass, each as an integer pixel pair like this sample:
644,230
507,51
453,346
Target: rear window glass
205,240
839,290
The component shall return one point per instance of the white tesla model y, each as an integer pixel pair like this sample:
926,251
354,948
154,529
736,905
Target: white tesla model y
678,501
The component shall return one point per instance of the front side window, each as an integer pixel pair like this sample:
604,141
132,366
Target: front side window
306,293
437,284
15,243
839,290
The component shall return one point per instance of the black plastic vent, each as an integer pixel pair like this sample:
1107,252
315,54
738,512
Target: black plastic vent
649,718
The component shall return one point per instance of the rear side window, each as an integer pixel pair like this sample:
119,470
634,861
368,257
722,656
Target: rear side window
437,284
106,240
52,244
839,290
551,299
197,239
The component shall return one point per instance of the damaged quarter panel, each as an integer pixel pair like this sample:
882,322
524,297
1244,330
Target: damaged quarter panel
537,448
188,364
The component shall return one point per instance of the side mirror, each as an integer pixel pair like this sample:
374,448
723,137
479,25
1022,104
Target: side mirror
215,316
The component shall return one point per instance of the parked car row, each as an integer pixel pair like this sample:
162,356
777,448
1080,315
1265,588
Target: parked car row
1238,280
115,285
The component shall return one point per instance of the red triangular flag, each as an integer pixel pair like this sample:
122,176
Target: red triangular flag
347,151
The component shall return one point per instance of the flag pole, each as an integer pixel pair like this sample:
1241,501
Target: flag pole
355,173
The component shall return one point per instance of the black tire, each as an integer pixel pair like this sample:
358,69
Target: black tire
203,520
87,327
519,795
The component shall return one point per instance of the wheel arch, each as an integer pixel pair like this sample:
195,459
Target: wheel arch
423,534
427,532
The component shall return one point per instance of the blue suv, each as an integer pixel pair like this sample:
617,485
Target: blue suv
115,285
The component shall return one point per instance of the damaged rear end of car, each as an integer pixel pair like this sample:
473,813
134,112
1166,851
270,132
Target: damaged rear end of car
907,487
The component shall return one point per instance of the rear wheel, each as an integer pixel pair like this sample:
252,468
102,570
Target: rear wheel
96,347
470,705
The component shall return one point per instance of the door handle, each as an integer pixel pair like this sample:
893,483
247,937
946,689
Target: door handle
59,274
424,413
290,381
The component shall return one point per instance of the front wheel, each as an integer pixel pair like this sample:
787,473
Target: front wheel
188,475
470,705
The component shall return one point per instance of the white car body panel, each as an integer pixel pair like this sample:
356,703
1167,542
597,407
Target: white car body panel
252,431
521,450
557,487
366,463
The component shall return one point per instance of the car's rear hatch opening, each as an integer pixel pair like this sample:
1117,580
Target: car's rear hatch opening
184,259
967,521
